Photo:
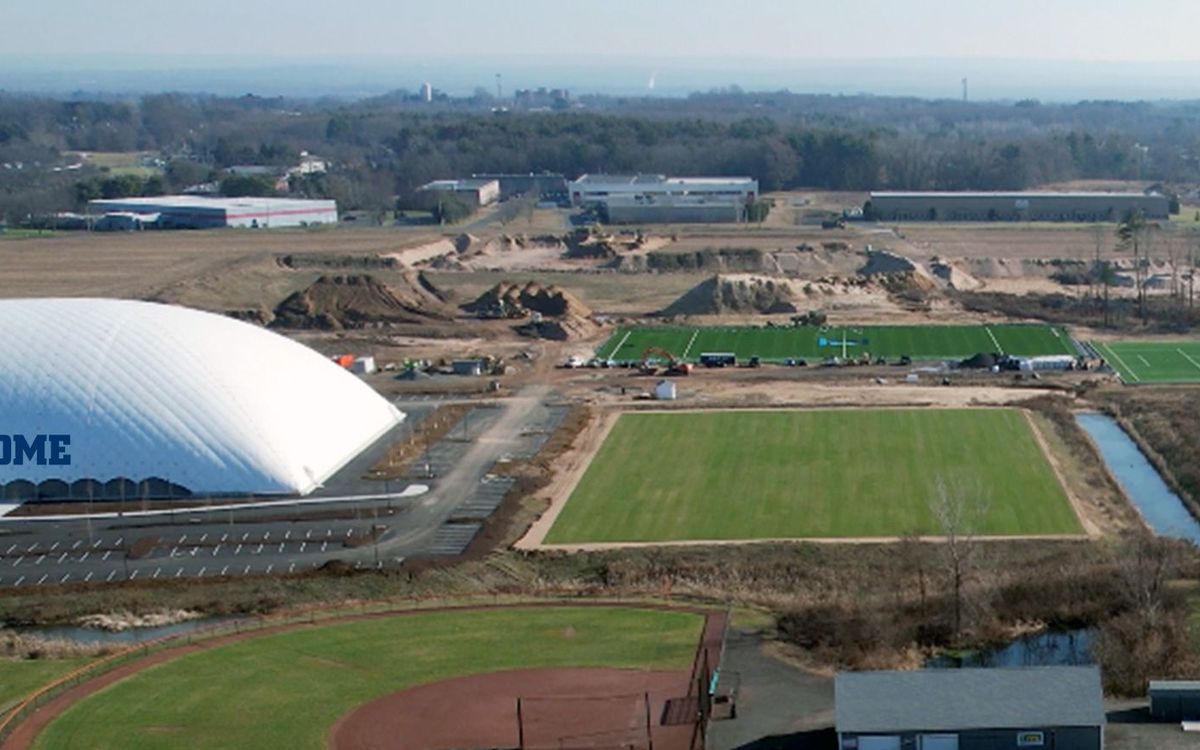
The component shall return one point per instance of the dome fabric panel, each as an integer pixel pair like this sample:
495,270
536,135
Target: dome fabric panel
201,400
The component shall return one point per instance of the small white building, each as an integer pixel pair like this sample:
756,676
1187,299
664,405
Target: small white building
665,390
363,365
476,192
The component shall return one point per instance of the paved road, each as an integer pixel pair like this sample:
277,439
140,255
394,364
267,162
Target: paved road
383,529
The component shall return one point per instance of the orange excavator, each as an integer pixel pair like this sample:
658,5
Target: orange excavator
655,354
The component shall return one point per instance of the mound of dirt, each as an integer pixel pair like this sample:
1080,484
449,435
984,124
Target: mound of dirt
358,301
735,293
953,275
511,300
885,262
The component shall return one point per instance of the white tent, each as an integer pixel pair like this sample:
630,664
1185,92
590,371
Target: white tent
144,390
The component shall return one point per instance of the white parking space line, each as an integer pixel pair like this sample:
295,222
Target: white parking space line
216,549
203,537
179,572
291,567
201,573
194,551
302,545
62,557
88,577
19,580
246,571
119,540
272,565
238,551
65,578
259,550
281,546
76,544
111,573
106,554
245,535
39,560
183,539
288,535
54,546
156,572
84,556
18,562
10,549
308,533
267,536
224,537
98,543
224,569
133,574
174,551
324,545
43,578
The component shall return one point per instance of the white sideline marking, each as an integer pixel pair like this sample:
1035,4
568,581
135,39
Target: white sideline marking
1117,357
992,336
1188,358
691,341
620,343
1144,362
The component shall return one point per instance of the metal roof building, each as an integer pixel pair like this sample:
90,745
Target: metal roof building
656,198
108,398
1019,206
202,212
971,709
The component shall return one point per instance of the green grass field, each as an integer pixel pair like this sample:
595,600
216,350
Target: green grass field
778,344
20,677
287,690
796,474
1153,361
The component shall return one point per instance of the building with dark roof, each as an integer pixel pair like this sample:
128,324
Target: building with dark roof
971,709
968,206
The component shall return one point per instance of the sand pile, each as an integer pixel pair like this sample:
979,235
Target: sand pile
735,293
357,301
553,312
953,275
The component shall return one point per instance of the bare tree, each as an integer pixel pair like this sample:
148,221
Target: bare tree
960,511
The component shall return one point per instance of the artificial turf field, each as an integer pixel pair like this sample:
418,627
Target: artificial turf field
288,690
778,344
1153,361
818,474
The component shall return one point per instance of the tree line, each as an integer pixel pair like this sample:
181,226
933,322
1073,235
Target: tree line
388,146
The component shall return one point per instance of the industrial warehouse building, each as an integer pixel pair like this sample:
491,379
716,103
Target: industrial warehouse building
123,399
1055,708
200,212
936,206
473,192
656,198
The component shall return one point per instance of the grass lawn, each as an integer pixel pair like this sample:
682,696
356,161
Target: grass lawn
1153,361
287,690
20,677
793,474
777,344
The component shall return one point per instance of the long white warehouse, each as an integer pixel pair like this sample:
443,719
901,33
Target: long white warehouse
200,212
108,398
656,198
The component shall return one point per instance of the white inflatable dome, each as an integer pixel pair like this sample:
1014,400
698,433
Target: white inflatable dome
144,391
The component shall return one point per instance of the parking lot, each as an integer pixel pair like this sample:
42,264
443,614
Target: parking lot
436,510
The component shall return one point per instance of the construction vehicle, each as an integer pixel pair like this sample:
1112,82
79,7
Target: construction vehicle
654,354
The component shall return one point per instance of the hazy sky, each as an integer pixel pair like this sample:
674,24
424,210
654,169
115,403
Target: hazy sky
1142,30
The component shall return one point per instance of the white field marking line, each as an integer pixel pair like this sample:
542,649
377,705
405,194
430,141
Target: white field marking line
620,343
1117,357
992,336
691,341
1188,358
1144,362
